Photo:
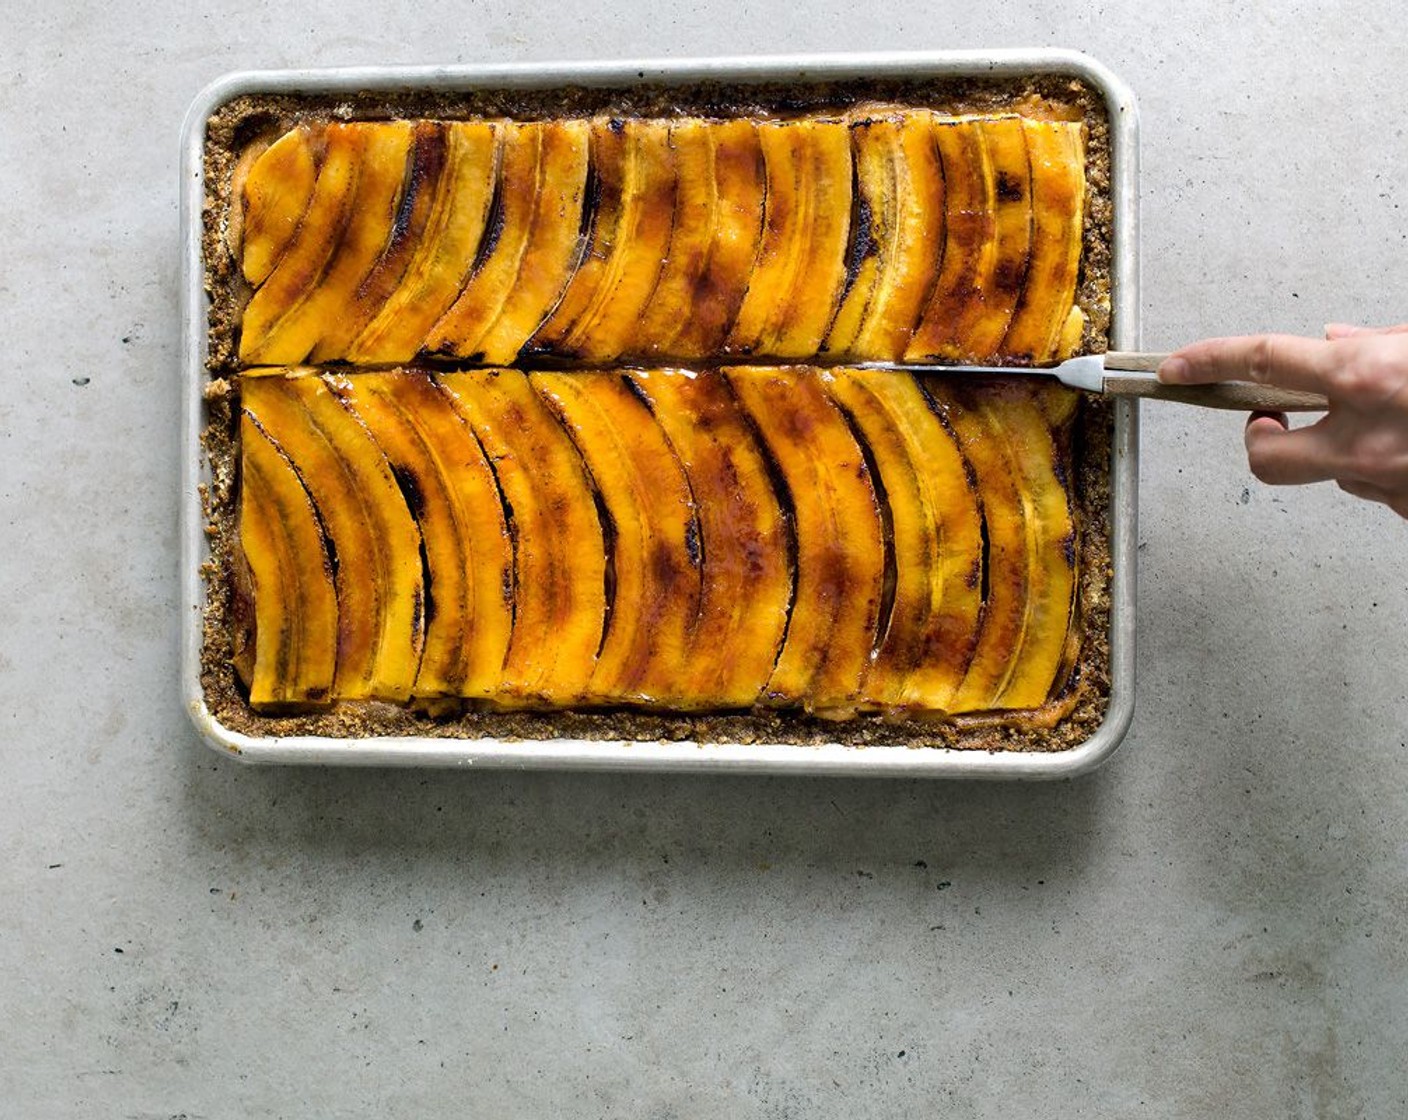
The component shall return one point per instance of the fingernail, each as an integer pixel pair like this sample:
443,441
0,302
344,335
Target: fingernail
1340,330
1173,369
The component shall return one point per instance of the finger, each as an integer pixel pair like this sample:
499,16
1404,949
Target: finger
1345,330
1281,457
1287,360
1278,418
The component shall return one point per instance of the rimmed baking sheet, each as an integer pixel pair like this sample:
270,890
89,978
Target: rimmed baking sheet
779,757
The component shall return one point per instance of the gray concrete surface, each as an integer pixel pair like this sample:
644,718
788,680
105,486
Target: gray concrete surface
1215,924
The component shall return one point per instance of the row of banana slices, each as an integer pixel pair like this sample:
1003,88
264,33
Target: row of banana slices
837,540
882,235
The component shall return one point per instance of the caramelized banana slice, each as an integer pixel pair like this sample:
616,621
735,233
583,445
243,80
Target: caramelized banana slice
718,220
911,240
970,241
655,538
447,250
598,313
292,656
873,226
381,173
800,267
840,551
1022,644
744,542
376,545
274,195
305,260
935,535
1043,465
410,220
896,236
691,237
984,320
1047,323
702,321
534,247
468,554
558,548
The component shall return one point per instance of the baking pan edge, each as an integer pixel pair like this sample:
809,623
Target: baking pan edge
827,759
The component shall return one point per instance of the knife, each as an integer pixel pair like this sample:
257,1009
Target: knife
1122,373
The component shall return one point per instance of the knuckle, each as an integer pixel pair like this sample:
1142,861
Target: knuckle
1360,378
1262,359
1373,373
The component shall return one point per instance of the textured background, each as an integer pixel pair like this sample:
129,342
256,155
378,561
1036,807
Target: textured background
1216,923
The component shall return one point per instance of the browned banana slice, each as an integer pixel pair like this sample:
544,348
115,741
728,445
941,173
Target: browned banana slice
986,316
743,537
447,250
542,181
305,260
559,551
598,313
873,226
970,240
375,543
274,195
380,177
293,654
414,207
1020,655
718,217
840,550
911,245
654,551
1047,324
935,530
702,320
1043,462
687,254
451,492
896,239
800,267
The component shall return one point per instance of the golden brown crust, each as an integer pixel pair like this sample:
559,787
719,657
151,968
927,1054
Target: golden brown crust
247,118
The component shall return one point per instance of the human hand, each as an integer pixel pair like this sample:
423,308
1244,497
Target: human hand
1362,440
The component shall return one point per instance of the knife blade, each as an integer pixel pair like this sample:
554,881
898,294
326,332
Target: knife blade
1125,373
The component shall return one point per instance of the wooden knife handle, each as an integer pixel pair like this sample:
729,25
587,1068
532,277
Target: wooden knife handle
1239,396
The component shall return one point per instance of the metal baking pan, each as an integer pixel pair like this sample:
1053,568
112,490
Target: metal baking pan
829,759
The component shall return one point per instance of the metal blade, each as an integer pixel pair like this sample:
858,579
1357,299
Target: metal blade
1086,372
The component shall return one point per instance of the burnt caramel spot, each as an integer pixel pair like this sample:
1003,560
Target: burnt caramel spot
1009,187
1009,276
493,229
410,489
591,195
609,537
429,151
693,545
862,244
984,557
